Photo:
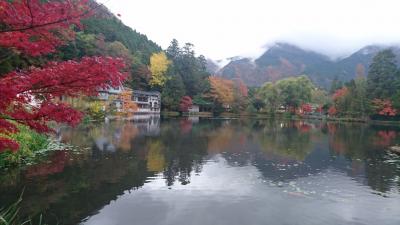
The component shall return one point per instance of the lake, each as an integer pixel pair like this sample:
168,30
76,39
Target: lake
194,171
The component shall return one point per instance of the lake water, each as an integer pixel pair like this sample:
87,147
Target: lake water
192,171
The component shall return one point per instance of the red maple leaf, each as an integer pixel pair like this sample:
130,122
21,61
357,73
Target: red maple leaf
29,97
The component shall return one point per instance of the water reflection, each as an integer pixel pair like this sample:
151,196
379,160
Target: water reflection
146,164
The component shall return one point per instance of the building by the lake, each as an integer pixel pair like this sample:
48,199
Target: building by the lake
111,95
147,101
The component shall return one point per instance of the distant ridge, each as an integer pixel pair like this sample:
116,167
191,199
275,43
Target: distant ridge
283,60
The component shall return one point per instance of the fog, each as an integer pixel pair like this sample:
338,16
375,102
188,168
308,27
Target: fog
226,28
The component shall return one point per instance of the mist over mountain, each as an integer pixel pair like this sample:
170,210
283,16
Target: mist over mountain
283,60
212,67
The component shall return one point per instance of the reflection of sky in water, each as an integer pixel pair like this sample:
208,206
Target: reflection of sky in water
224,194
235,171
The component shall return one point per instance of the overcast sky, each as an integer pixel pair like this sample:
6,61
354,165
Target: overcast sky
226,28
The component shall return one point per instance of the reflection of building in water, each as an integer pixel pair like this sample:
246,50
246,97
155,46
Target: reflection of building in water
194,119
118,136
105,145
147,124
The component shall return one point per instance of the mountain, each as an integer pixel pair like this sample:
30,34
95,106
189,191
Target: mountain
112,29
212,67
282,60
346,66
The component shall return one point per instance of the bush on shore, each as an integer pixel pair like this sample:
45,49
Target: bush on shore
30,142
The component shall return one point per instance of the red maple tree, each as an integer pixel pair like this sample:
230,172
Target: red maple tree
185,104
384,107
305,109
340,93
29,96
332,111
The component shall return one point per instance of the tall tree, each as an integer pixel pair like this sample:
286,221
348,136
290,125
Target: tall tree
173,50
240,95
336,84
159,64
221,91
192,69
360,100
173,91
382,76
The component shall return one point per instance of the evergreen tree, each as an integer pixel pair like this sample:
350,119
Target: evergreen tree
381,81
360,101
173,50
191,69
172,93
336,85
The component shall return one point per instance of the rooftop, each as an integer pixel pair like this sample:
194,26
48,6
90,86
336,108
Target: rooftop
156,93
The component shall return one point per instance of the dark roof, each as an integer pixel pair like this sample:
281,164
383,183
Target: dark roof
146,92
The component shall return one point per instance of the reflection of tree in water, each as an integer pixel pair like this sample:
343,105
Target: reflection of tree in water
177,152
281,151
290,139
292,149
364,147
184,152
80,190
155,156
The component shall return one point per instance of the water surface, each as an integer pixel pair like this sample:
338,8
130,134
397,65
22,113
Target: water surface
207,171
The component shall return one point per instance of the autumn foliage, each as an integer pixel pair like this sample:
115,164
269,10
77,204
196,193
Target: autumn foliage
305,108
221,90
128,106
384,107
37,27
340,93
332,111
29,96
185,104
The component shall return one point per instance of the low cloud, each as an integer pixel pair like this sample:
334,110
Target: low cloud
222,29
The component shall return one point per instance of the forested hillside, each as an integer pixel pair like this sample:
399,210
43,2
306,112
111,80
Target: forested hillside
284,60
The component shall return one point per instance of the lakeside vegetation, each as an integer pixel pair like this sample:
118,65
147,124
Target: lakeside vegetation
177,72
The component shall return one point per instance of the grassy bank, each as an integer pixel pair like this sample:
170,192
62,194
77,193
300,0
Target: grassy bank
32,148
29,141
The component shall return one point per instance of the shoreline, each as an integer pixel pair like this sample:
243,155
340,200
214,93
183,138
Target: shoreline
281,116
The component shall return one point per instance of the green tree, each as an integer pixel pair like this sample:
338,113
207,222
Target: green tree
192,69
173,51
269,95
360,101
381,82
172,93
295,91
319,96
336,84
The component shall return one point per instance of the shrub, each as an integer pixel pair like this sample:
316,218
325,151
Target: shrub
29,141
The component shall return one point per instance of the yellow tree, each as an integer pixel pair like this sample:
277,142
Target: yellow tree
159,64
222,91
